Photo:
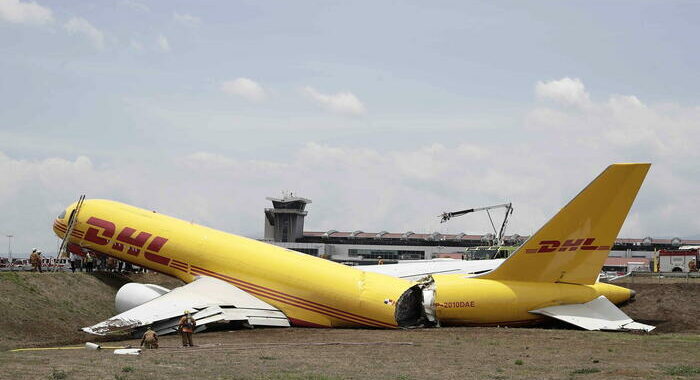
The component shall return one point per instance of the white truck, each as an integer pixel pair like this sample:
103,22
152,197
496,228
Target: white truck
678,260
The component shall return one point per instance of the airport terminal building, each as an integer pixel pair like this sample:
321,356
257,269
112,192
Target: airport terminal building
284,227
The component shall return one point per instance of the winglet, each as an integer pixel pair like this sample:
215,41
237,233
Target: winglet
574,244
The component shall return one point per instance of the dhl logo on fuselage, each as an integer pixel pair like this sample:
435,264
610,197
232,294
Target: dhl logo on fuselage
128,240
570,245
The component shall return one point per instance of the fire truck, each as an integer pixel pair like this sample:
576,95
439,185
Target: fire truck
678,260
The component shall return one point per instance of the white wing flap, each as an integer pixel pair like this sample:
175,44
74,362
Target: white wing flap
415,270
599,314
208,299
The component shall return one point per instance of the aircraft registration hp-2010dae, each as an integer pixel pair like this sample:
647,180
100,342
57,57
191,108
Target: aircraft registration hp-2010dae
232,278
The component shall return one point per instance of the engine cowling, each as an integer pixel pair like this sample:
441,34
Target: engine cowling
134,294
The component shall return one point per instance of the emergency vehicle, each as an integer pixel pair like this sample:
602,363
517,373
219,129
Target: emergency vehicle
678,260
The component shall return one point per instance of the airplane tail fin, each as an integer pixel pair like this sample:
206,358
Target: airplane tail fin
573,245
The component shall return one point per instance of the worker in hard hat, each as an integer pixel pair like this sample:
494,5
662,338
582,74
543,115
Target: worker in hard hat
150,339
380,261
35,260
186,327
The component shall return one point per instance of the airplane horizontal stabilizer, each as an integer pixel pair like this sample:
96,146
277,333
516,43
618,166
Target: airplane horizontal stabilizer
599,314
208,300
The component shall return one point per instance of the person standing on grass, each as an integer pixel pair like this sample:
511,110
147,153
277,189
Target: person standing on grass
88,262
73,261
34,260
186,327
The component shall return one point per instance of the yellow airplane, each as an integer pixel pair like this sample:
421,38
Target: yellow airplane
228,277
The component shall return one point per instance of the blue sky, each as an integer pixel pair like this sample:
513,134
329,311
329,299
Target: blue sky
384,113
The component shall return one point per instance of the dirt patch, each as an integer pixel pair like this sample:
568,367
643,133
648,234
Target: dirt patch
669,307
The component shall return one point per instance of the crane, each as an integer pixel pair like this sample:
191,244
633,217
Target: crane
445,216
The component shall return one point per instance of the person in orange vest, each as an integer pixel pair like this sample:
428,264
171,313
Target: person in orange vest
186,327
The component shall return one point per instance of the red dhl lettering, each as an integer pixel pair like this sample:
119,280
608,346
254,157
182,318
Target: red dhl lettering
102,232
570,245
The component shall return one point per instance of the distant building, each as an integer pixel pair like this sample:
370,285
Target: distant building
284,226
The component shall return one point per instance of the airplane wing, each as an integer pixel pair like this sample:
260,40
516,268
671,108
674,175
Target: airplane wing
599,314
208,300
416,269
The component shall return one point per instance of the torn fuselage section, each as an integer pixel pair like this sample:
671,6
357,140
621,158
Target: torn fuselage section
416,306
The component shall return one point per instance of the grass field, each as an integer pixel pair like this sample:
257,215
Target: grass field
45,310
447,353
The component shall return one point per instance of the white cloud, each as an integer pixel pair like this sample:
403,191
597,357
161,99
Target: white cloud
163,43
565,91
18,12
186,19
246,88
208,160
136,44
135,5
342,102
396,189
625,129
79,25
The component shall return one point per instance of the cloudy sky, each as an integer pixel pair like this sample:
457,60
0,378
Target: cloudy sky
383,113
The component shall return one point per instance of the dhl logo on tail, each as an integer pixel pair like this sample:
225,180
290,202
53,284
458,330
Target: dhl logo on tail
570,245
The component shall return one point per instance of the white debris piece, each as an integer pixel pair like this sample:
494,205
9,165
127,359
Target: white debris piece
128,351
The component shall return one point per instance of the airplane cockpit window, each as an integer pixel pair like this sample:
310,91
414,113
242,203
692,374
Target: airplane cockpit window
62,215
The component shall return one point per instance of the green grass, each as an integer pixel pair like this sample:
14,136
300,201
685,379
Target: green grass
14,278
127,369
57,374
585,371
518,362
298,376
679,338
681,370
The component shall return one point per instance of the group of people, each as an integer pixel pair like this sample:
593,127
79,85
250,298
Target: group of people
35,260
185,327
91,262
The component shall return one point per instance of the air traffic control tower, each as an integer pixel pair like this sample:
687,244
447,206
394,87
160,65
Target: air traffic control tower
284,222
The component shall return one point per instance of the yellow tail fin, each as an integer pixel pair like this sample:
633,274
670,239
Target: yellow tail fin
574,244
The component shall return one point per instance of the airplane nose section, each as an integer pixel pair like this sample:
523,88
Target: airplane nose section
59,228
633,294
60,224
